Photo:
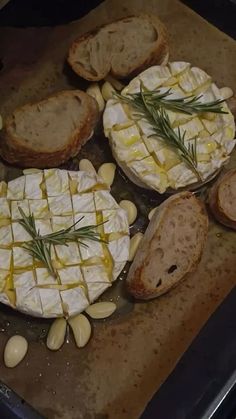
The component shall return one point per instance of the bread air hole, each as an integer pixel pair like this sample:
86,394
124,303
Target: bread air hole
159,283
171,269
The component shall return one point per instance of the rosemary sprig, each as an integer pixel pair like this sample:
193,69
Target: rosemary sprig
68,234
188,105
162,128
39,249
40,246
176,140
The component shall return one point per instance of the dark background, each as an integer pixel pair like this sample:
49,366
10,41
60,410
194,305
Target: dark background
222,13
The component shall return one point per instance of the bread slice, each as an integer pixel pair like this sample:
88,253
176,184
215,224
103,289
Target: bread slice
48,133
222,199
171,247
122,48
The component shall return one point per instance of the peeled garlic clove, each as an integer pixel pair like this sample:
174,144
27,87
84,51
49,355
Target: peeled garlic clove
107,172
134,244
85,165
15,350
94,91
151,213
226,92
107,91
56,334
131,210
81,329
101,310
114,82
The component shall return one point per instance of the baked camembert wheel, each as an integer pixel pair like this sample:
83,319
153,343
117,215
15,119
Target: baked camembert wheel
83,271
149,160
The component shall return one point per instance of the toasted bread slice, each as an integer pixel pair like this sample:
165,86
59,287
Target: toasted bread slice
48,133
171,247
222,199
122,48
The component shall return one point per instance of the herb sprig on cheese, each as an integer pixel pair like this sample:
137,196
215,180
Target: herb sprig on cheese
40,245
157,99
160,122
84,268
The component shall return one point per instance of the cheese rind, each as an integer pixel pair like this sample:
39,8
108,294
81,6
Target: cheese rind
96,279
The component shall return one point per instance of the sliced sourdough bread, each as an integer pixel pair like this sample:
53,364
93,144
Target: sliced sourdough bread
122,48
222,199
171,247
48,133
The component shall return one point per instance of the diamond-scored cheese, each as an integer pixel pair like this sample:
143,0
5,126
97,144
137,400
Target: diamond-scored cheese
21,258
43,226
38,207
68,254
27,295
4,208
96,279
74,301
145,157
5,258
5,235
3,277
114,114
33,186
57,181
83,202
15,188
104,200
58,199
61,204
15,205
70,275
115,221
19,233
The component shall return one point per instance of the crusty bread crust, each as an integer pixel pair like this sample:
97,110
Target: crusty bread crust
15,152
146,254
216,204
158,55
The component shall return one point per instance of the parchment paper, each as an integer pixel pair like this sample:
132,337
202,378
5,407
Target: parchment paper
131,354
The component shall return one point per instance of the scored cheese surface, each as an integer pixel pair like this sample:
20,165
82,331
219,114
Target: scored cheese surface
148,161
57,199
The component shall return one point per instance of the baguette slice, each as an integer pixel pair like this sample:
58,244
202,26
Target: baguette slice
48,133
171,247
222,199
122,48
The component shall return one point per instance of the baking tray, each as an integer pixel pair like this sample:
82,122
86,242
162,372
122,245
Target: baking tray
203,384
131,354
